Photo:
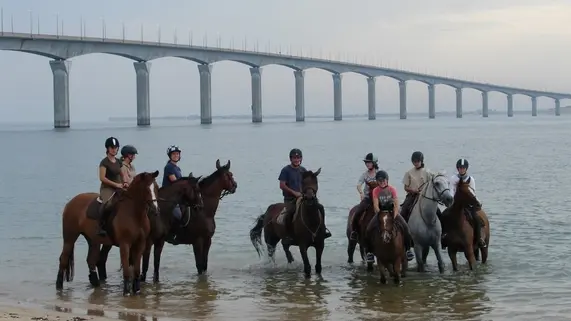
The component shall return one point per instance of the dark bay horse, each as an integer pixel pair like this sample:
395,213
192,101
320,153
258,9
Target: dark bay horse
362,228
386,241
308,226
184,191
128,228
201,227
459,228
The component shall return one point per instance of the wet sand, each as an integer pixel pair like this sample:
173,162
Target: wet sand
26,313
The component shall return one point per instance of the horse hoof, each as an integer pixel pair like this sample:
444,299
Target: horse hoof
93,279
136,287
441,268
59,281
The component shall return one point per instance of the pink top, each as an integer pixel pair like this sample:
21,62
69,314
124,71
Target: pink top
377,190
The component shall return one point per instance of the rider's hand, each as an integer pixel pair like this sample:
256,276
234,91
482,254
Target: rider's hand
118,185
125,185
297,194
362,196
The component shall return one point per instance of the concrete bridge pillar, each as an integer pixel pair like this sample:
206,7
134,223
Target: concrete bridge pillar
533,106
431,102
256,73
205,93
142,70
60,70
371,81
510,105
557,107
459,102
402,96
299,95
337,97
484,104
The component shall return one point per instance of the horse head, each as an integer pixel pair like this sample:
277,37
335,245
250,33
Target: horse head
228,184
144,189
437,188
386,225
309,185
465,195
191,192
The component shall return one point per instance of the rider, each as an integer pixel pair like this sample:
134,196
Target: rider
462,167
413,180
171,174
371,162
385,198
128,153
290,184
111,180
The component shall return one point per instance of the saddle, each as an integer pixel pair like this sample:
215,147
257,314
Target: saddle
468,213
281,217
94,211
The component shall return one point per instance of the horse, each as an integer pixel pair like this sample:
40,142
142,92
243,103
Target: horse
200,229
184,191
424,224
308,226
362,229
127,228
460,232
388,246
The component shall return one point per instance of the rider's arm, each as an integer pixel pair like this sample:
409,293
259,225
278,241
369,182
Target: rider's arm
105,180
169,172
125,174
375,196
360,183
395,201
453,183
283,178
473,184
406,181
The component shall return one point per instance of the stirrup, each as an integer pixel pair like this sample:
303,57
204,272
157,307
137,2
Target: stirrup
354,236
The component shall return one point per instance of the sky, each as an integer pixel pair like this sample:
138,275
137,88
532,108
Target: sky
520,43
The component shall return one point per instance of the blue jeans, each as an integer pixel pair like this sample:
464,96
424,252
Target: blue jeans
177,213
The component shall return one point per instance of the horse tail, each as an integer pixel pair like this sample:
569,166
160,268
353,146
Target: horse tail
256,233
70,269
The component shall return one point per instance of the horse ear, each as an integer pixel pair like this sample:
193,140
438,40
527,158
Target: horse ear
218,164
155,174
198,178
190,175
227,165
317,172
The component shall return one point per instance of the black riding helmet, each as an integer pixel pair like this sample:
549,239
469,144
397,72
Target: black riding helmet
111,142
128,150
295,152
417,157
370,158
381,175
462,163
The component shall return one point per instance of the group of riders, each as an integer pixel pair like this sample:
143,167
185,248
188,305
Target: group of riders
116,174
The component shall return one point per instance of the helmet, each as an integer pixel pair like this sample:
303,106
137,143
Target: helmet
295,152
172,149
128,150
370,158
417,157
381,175
462,163
111,142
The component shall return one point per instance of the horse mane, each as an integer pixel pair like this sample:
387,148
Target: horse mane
178,181
208,180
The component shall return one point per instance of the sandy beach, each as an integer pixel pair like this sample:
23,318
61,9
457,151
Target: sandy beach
24,313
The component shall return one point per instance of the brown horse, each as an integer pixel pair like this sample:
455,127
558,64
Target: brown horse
128,228
308,225
362,228
184,191
387,243
458,227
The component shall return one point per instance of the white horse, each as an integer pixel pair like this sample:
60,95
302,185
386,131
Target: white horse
424,223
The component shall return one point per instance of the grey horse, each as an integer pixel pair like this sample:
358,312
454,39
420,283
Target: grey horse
424,223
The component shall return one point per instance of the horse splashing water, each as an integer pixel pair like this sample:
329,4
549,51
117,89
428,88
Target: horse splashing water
308,226
362,224
424,224
458,226
183,192
128,227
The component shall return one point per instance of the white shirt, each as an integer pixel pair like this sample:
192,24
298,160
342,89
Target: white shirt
455,179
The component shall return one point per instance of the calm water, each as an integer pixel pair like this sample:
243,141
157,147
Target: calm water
519,164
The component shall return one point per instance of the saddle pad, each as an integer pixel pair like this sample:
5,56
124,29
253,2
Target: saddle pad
93,209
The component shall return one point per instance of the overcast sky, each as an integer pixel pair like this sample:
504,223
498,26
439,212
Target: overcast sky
519,43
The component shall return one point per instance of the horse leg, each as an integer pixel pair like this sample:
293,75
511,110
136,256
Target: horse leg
158,250
477,254
397,268
485,254
351,250
306,264
452,254
146,259
288,254
436,249
124,250
197,248
382,271
404,264
66,261
319,246
205,251
469,254
92,259
418,250
137,253
425,252
102,262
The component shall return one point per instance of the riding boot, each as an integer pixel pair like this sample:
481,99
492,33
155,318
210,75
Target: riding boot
355,226
327,232
288,239
407,237
477,228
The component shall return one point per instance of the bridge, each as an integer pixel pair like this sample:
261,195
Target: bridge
61,48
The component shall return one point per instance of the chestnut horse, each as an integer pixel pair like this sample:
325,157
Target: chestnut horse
184,192
308,226
459,229
386,240
361,228
128,228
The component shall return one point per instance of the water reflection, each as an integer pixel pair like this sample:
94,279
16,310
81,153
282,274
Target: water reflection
293,298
